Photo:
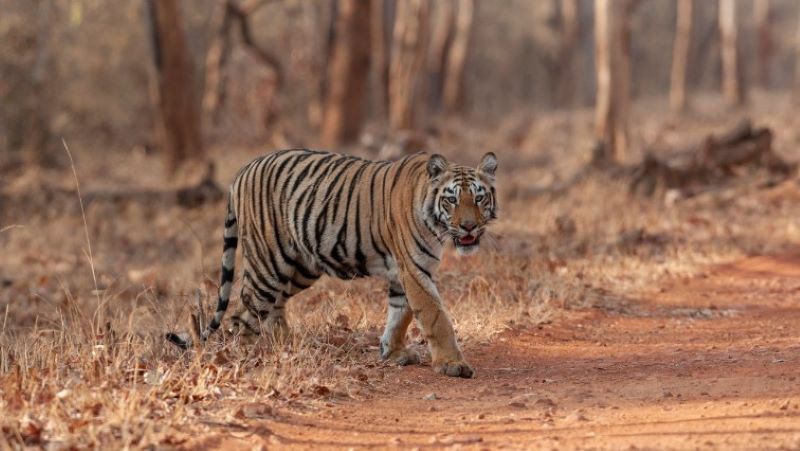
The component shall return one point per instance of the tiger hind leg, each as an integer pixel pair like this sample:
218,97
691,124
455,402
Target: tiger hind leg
263,313
393,342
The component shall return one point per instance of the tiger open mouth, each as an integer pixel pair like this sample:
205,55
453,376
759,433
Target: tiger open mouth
467,240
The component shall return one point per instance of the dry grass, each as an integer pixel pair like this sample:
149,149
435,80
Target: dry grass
83,363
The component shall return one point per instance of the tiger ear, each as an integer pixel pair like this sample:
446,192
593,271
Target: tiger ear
436,165
488,164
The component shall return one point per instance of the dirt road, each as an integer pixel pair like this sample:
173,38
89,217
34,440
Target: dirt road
706,362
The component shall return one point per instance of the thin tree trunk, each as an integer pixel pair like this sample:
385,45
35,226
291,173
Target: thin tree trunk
348,70
407,61
179,112
622,76
457,58
39,133
603,113
441,39
216,58
612,56
227,14
569,42
762,23
680,56
732,86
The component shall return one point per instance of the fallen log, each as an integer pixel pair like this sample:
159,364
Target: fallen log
51,202
712,160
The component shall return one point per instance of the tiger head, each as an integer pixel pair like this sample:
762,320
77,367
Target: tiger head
462,200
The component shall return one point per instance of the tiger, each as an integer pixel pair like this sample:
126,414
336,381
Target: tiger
302,213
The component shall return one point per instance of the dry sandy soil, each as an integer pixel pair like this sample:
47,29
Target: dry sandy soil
704,362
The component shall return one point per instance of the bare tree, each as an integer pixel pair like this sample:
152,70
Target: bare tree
457,57
348,70
407,60
764,45
732,84
612,56
226,15
680,55
177,105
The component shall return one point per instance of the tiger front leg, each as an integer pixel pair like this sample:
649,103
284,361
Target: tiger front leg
393,341
431,316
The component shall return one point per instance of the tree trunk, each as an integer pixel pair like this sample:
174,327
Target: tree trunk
226,15
796,87
39,134
603,113
454,72
569,41
216,57
612,56
379,64
407,61
732,86
26,100
441,39
764,45
348,71
622,76
178,107
680,56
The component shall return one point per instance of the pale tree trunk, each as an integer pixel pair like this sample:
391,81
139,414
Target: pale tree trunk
348,71
178,107
457,57
441,38
612,56
680,56
764,41
407,61
569,41
732,85
603,113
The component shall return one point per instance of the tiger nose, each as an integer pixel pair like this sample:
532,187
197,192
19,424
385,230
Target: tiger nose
469,226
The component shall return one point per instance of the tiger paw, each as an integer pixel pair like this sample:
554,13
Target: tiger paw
402,356
458,368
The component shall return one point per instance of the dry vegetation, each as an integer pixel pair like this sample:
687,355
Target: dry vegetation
85,364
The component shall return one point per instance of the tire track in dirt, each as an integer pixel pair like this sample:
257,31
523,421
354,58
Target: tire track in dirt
710,361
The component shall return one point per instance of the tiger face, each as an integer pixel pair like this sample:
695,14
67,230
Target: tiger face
462,200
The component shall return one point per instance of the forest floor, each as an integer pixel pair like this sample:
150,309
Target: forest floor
595,318
709,361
